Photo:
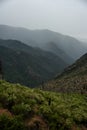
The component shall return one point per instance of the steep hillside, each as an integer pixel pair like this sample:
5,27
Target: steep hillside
22,108
27,65
71,47
73,79
53,47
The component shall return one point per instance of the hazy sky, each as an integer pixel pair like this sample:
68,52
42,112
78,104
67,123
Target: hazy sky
64,16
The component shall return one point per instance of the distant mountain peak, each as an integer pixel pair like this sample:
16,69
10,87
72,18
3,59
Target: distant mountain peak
37,38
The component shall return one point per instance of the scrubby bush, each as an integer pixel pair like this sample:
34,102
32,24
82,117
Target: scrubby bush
21,109
8,123
58,111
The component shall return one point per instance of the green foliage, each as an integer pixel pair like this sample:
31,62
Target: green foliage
7,123
63,112
21,109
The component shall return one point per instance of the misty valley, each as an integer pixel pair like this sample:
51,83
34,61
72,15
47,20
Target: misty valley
43,80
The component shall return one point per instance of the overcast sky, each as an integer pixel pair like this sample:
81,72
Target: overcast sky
64,16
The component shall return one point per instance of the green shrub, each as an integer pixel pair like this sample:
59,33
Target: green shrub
21,109
8,123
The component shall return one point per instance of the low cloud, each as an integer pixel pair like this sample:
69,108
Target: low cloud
65,16
3,1
83,1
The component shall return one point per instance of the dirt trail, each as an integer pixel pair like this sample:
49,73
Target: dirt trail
6,112
36,123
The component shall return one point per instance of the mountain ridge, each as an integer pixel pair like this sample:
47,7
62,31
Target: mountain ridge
38,38
28,65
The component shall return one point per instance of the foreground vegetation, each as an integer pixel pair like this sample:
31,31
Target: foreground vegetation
22,108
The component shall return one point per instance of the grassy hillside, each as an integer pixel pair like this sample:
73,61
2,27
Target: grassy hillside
33,109
27,65
73,79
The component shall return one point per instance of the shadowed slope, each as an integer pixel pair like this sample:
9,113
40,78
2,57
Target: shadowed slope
27,65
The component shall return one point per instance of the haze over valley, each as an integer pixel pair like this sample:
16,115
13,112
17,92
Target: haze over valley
43,65
49,50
